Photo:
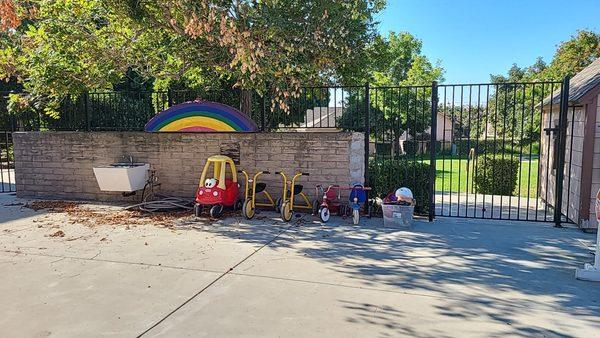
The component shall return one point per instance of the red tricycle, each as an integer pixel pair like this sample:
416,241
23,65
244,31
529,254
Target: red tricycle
331,202
219,191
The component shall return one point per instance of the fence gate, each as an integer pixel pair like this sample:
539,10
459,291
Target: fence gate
489,150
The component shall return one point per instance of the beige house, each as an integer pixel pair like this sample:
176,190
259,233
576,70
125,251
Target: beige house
444,126
582,154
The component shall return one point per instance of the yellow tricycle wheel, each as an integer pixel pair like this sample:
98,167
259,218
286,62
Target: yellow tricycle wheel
286,211
248,209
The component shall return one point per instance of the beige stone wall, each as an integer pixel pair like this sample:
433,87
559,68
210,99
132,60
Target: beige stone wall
59,164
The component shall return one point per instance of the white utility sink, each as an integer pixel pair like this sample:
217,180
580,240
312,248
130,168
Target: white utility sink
125,176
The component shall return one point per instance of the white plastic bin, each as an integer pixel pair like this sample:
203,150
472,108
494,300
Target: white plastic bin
395,215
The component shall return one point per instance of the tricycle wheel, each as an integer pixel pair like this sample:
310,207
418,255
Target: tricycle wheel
247,209
278,205
355,216
216,211
315,207
286,211
239,204
324,214
198,210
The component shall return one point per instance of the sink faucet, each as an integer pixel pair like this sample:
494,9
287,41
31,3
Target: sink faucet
124,157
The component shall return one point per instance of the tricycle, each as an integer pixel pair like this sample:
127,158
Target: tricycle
331,202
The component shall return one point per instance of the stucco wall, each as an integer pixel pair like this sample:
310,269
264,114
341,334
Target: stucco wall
59,164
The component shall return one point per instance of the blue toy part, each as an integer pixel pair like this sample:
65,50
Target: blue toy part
359,193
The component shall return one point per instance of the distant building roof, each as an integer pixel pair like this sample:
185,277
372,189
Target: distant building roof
580,84
317,117
322,117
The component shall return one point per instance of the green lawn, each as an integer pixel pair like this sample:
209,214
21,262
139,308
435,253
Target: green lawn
452,175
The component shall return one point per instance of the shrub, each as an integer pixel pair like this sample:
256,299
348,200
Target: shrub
387,175
495,175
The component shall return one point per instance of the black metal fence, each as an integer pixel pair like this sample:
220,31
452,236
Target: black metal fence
490,150
321,107
494,159
7,165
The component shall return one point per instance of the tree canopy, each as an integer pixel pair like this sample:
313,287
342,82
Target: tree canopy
394,61
570,58
65,46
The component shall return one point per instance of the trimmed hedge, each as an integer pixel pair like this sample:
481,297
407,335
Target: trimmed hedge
387,175
495,175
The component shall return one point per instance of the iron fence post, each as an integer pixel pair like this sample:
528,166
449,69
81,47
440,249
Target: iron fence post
262,111
88,122
432,148
13,117
170,97
562,138
367,131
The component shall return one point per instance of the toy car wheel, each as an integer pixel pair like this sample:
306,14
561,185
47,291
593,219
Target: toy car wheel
278,205
324,214
315,207
247,209
197,210
286,211
355,216
216,211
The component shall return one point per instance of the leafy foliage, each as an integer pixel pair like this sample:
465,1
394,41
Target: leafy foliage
394,61
496,175
570,57
387,175
69,46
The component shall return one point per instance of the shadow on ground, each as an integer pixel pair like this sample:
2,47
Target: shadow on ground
483,269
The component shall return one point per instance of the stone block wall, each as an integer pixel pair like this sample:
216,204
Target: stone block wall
58,165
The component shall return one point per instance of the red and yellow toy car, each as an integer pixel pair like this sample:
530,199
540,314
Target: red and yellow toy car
218,191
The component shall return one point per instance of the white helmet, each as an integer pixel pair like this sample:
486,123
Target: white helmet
404,195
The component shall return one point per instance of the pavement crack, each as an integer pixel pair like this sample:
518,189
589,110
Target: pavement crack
215,281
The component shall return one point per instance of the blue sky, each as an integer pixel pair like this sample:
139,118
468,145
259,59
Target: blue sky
475,38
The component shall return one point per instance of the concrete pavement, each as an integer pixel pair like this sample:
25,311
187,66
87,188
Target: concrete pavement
451,278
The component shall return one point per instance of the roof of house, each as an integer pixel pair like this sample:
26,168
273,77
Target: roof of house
580,84
318,117
323,117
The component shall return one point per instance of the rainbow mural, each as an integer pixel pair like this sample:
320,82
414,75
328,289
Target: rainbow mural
201,116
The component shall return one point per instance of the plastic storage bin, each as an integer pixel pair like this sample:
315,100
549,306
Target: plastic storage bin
398,215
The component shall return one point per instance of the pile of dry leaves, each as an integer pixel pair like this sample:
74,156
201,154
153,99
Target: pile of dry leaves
81,214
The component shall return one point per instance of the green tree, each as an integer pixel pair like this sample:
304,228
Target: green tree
509,100
394,61
574,55
65,46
